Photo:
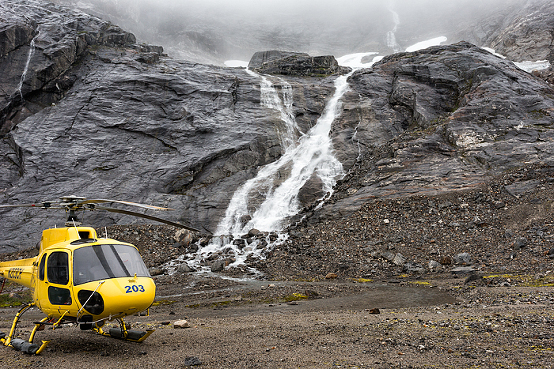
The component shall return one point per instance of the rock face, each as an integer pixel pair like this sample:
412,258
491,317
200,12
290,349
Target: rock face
39,53
295,64
437,120
529,35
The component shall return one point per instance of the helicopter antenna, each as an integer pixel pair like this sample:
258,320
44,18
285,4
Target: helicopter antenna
105,232
75,226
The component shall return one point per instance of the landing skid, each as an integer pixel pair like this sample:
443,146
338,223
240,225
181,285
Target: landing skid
29,347
123,333
24,346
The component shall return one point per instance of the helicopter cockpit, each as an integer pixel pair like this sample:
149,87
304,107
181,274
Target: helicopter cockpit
98,262
87,272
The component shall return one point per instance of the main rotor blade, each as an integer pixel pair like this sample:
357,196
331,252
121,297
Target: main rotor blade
99,201
20,206
127,212
45,205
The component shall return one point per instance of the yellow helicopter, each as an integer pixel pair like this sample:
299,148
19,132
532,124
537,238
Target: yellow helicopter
82,279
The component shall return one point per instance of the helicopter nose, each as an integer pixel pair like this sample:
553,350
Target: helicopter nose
118,297
130,295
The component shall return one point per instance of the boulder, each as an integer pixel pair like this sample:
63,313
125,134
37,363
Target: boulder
462,258
181,324
295,64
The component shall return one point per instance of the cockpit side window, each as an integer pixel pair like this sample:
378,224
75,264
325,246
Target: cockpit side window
41,267
57,268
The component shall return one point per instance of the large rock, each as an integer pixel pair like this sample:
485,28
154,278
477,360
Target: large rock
529,36
264,57
40,46
295,64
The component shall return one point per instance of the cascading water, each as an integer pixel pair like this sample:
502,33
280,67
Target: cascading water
391,35
26,68
270,98
269,177
305,154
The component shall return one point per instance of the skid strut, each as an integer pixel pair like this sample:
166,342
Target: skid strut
25,346
123,333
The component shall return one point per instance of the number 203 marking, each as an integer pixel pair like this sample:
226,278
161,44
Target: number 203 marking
134,288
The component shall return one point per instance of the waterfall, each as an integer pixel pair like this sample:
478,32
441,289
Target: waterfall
270,98
26,69
268,183
391,35
312,154
268,200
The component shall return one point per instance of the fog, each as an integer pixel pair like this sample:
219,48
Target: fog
212,31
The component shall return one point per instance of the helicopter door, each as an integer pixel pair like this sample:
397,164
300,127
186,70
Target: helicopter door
56,288
57,272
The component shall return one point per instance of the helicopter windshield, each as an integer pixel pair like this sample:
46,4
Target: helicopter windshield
97,262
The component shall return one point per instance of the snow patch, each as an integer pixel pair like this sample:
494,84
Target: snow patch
425,44
355,61
236,63
530,66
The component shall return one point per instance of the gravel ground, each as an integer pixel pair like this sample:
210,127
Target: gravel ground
505,225
253,327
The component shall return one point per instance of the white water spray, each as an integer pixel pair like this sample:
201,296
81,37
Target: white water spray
27,63
270,98
277,184
391,35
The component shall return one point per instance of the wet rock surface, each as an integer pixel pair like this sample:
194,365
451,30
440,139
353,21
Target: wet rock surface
528,35
117,119
438,120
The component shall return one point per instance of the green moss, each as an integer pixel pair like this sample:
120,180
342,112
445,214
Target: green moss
295,297
212,305
163,302
362,280
525,280
15,299
423,283
220,303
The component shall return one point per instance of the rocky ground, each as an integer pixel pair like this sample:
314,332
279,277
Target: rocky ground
454,326
459,280
503,225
